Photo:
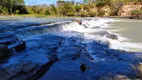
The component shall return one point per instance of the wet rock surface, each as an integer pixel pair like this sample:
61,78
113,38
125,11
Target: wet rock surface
68,55
3,50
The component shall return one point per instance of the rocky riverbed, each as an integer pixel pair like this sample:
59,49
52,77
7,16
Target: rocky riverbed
66,50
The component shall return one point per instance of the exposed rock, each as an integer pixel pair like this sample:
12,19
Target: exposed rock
78,21
3,50
100,33
121,77
83,67
68,55
112,36
68,52
64,70
128,7
7,38
21,46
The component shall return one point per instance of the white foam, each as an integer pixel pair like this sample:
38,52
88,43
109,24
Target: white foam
120,44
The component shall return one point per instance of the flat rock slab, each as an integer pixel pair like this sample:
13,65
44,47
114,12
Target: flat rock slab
3,50
64,70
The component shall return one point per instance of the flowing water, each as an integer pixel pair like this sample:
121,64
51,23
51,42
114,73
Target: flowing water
102,42
130,30
92,28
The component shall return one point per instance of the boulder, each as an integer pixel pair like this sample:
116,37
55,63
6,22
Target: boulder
112,36
100,33
78,21
21,46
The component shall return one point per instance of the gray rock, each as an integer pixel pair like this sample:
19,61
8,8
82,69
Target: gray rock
100,33
112,36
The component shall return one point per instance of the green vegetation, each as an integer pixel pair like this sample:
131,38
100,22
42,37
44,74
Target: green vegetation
88,8
136,13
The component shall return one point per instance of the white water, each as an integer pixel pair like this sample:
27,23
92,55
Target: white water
92,27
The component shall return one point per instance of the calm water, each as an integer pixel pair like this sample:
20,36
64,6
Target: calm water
131,29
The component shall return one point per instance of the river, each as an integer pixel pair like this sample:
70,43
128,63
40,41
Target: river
129,29
70,49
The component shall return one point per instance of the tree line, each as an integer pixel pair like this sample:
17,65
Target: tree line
69,8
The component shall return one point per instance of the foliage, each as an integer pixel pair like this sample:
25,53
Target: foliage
86,9
83,14
101,3
53,8
47,12
77,8
67,9
114,10
92,13
136,12
8,6
100,13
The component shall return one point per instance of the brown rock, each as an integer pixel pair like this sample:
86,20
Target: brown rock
78,21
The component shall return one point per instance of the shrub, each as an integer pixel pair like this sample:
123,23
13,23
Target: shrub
102,3
77,8
101,13
114,11
17,11
47,12
92,13
83,14
70,13
136,13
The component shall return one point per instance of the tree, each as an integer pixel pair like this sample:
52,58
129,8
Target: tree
53,8
77,8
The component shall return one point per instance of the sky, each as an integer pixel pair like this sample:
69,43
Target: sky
37,2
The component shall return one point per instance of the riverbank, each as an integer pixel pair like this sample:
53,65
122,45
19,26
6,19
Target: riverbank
16,17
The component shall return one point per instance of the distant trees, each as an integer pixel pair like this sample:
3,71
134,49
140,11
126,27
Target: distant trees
66,8
8,6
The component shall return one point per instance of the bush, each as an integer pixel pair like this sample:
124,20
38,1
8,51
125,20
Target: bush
47,12
3,10
102,3
17,11
136,12
114,11
77,8
70,13
92,13
83,14
101,13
